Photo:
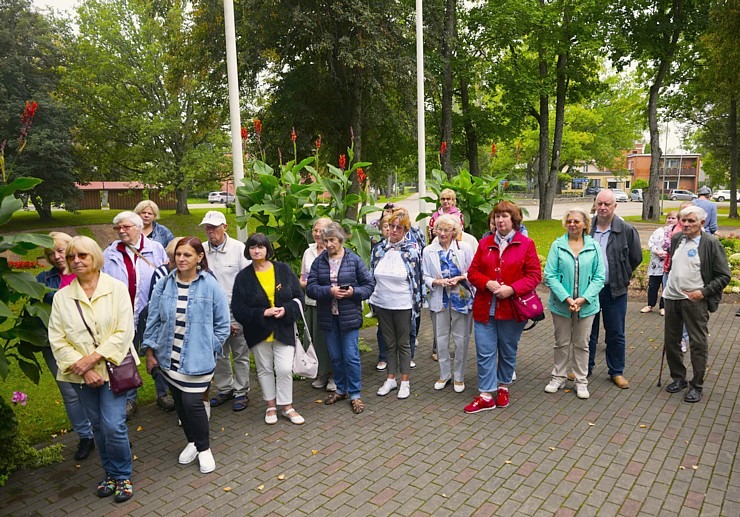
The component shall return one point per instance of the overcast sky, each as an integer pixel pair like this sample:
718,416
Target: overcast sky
56,4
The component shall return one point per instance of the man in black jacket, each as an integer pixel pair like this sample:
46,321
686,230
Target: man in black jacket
620,248
690,297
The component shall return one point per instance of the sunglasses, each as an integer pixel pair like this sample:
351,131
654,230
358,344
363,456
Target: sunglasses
82,256
124,227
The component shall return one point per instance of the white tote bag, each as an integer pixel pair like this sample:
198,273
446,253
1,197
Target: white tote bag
305,362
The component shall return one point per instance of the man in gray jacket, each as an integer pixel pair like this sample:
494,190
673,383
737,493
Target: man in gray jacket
689,298
620,248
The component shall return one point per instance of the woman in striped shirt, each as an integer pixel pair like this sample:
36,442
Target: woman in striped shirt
187,325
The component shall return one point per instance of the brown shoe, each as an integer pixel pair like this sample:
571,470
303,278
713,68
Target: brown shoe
621,382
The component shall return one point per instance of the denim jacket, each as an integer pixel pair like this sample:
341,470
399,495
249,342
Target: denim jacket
207,327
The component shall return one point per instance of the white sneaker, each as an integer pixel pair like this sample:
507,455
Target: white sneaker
513,377
188,454
441,384
554,386
405,390
459,386
331,385
412,365
684,345
207,463
388,386
582,391
319,383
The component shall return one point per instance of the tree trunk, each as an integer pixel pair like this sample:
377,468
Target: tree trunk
42,208
182,201
545,185
557,141
733,157
471,135
447,46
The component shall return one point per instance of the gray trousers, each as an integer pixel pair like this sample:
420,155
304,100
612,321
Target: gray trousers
453,331
571,340
695,316
223,378
395,326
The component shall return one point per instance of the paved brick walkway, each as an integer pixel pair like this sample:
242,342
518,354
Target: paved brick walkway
622,452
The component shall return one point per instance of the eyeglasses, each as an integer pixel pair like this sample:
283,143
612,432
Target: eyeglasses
81,256
447,199
124,227
396,228
573,221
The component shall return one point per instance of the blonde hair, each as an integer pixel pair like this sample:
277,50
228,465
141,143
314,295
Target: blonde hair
170,249
61,240
403,218
83,244
147,204
582,212
448,192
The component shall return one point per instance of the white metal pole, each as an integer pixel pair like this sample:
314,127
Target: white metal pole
234,108
421,130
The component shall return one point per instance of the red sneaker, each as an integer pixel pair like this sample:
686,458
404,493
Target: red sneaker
502,400
480,404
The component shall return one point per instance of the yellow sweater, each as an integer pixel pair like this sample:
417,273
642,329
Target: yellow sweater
108,314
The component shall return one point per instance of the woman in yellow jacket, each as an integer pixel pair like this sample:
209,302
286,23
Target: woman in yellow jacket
103,303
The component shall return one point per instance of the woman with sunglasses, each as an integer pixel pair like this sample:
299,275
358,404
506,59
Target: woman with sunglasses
91,322
448,205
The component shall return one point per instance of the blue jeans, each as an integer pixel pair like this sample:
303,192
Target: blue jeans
107,413
496,343
75,412
345,359
614,311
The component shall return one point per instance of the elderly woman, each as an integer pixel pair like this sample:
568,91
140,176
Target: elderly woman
188,323
94,300
132,259
149,213
505,265
396,267
339,281
448,205
450,297
264,303
658,244
324,379
575,275
56,278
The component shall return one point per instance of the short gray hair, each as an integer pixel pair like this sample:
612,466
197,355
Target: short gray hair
333,229
129,216
698,211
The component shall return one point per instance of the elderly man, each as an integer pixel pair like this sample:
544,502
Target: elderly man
699,271
226,258
620,249
705,203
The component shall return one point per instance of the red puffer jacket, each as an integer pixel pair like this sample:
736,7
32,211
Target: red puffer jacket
518,267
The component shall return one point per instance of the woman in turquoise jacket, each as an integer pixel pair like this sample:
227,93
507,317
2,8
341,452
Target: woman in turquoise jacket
575,275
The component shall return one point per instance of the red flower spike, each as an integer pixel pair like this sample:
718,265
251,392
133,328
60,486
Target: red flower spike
493,149
342,162
318,143
443,148
258,126
361,177
245,133
292,135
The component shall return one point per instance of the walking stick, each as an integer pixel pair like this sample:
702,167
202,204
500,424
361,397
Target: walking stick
662,356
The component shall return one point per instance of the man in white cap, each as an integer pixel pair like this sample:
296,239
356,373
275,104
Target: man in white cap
226,259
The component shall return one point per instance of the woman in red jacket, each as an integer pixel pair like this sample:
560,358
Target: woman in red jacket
505,265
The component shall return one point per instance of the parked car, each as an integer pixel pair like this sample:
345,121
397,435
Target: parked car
724,195
221,197
591,191
684,195
620,195
636,194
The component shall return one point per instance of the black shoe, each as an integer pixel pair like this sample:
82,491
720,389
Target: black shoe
676,386
84,448
107,487
124,490
221,398
131,408
166,402
693,395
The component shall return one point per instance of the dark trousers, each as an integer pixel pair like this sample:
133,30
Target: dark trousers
654,283
192,414
396,326
613,311
695,316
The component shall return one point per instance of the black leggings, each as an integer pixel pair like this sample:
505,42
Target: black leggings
654,283
192,414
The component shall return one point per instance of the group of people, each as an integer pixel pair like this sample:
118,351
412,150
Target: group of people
190,307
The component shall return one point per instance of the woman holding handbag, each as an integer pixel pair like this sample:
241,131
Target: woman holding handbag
187,325
339,281
504,266
575,275
94,300
263,303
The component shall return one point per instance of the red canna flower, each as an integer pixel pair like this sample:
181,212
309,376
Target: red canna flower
245,133
361,177
258,127
318,143
493,149
342,162
443,148
292,135
29,112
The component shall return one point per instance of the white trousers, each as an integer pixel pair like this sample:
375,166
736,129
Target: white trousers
453,332
274,362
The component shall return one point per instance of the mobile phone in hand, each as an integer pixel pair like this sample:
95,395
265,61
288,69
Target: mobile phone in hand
344,287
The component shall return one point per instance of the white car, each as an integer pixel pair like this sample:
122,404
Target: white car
620,195
221,197
724,195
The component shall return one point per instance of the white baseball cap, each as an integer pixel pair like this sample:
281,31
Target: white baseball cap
213,218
